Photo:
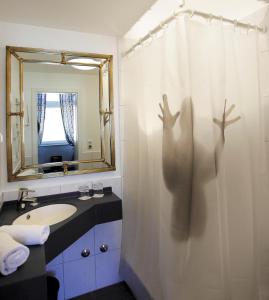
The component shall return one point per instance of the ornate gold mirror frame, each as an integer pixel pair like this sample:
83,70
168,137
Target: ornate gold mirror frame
28,172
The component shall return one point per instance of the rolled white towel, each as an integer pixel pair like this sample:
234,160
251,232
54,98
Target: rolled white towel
28,234
12,254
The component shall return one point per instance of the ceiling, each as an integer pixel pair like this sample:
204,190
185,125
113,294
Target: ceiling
108,17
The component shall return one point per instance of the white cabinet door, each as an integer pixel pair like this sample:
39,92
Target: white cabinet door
84,243
79,277
55,269
108,234
107,268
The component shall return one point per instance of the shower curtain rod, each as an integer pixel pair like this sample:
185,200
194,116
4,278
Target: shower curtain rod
192,13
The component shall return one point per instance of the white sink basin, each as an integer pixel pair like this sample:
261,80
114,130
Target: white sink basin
46,215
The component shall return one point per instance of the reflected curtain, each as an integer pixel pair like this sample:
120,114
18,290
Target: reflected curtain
194,166
67,104
41,114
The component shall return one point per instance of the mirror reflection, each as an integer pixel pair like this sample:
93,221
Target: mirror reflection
60,113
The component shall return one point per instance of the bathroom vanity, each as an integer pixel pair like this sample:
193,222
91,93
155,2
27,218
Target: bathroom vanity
83,251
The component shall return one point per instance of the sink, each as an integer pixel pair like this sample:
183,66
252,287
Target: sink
46,215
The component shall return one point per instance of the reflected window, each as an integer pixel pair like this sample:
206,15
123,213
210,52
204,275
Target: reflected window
55,122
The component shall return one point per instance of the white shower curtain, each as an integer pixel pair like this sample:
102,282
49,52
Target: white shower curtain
193,178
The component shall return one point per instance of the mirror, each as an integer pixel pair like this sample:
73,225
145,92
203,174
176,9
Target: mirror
59,113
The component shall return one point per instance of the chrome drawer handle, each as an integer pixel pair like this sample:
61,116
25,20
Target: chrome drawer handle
104,248
85,252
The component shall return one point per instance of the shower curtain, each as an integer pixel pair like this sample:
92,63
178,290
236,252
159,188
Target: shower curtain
194,165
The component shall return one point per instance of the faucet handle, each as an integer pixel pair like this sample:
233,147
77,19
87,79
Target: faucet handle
23,192
24,189
31,191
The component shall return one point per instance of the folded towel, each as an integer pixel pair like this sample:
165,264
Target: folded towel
12,254
28,234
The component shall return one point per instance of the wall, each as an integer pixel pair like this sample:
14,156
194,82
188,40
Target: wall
40,37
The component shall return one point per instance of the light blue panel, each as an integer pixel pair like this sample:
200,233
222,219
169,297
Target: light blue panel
79,277
108,233
57,271
73,252
107,268
56,261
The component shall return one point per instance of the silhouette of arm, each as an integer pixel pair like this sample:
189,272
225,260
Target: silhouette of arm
222,124
169,154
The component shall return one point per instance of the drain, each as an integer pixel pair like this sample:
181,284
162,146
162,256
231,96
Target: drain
28,217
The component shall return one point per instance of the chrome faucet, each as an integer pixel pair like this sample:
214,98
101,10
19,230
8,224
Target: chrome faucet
24,198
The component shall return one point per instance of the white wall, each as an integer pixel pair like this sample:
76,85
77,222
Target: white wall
40,37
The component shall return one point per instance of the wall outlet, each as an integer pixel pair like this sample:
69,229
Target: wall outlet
90,144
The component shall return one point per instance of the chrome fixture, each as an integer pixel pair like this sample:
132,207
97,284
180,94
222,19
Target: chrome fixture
104,248
24,198
85,252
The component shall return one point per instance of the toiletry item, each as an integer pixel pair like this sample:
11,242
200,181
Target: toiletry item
12,254
84,190
28,234
97,189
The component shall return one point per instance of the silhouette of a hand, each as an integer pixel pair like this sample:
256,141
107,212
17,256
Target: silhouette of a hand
222,124
167,118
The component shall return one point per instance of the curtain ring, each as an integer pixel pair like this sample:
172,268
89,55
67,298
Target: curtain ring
235,24
147,41
248,28
151,36
162,25
210,18
192,13
139,44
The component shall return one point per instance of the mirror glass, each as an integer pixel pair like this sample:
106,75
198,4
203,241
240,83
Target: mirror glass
60,113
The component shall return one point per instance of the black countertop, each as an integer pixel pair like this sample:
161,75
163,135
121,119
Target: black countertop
29,281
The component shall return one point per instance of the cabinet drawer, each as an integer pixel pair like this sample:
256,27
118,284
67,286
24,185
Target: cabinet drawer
108,234
85,243
79,277
107,268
